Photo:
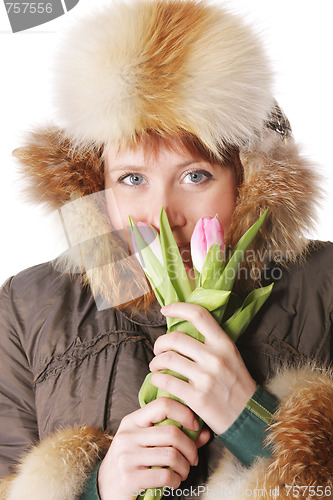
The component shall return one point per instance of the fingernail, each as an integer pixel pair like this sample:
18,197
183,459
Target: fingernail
196,425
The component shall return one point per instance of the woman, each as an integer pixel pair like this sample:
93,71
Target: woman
166,103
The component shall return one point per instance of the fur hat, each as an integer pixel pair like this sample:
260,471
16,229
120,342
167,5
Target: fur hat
169,67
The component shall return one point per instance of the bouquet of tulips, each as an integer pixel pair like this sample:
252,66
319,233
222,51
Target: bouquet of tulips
211,287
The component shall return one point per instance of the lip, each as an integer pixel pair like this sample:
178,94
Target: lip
184,249
185,252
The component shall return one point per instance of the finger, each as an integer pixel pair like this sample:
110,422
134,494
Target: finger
169,435
164,457
162,408
175,386
203,437
202,320
190,358
180,342
155,478
171,360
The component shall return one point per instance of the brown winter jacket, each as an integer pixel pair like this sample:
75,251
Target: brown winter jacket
69,371
65,364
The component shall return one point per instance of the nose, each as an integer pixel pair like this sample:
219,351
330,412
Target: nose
172,206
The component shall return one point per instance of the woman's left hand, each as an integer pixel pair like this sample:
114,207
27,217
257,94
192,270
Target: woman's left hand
219,382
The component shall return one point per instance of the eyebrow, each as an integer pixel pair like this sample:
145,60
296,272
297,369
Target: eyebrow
144,167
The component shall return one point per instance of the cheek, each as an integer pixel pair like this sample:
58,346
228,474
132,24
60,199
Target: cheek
115,210
226,209
120,207
221,203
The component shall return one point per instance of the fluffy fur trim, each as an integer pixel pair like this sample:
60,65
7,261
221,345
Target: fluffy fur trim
5,484
164,65
302,440
58,467
55,172
277,177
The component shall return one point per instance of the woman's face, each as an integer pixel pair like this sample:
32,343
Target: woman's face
188,189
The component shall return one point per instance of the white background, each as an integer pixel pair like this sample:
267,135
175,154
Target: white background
299,39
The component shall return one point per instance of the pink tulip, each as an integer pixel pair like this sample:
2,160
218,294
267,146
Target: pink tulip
207,231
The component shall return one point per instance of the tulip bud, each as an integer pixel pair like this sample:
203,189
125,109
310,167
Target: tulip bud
208,230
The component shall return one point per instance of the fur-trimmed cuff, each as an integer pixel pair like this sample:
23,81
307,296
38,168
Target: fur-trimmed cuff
58,467
301,438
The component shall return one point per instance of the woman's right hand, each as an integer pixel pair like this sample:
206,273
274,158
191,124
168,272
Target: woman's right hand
139,445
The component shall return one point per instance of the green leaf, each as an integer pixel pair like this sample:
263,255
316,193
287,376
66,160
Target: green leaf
212,266
257,294
228,277
197,277
148,391
209,299
248,237
170,293
215,301
172,260
238,323
154,268
212,300
152,494
157,293
224,312
189,329
227,280
161,393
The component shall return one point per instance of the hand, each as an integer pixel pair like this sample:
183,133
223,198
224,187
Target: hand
138,445
219,382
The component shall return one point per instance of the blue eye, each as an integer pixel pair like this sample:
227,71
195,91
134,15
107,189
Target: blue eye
131,179
197,177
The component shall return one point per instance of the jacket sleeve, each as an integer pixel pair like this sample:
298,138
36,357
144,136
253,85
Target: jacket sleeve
91,489
18,424
301,439
245,437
